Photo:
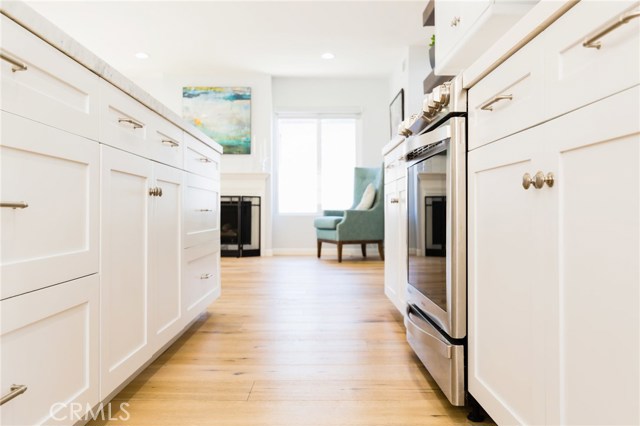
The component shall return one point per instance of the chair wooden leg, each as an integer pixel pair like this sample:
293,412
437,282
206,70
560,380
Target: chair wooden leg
381,249
339,252
364,250
319,248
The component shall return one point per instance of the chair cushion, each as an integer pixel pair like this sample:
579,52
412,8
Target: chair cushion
327,222
368,196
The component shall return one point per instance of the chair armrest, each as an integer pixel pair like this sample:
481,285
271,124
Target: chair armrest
333,213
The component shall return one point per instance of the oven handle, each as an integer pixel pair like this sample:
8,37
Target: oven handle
431,333
415,146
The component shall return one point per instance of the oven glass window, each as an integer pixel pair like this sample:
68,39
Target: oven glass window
429,233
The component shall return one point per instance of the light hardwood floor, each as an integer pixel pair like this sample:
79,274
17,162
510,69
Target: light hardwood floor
292,341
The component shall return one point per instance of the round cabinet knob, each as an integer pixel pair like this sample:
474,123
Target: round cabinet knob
538,180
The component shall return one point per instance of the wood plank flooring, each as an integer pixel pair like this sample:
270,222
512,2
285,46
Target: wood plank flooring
292,341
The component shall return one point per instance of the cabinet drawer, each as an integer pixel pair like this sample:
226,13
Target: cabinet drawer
166,145
509,99
200,278
53,89
200,158
55,237
201,211
49,343
576,75
394,165
125,123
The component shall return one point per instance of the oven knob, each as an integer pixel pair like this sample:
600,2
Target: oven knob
441,94
430,106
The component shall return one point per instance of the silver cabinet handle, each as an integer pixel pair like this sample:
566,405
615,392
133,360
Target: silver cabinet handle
394,201
205,276
135,124
205,159
17,66
455,21
487,105
538,180
170,143
156,191
205,210
15,205
593,41
14,390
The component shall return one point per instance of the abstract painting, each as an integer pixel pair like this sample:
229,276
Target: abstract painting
222,113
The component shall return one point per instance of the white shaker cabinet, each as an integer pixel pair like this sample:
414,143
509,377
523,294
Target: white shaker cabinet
49,348
554,278
395,229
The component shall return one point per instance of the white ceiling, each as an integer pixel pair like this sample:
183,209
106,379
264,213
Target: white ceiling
281,38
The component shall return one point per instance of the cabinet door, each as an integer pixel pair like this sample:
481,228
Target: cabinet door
201,211
391,242
126,180
164,255
508,280
49,343
596,323
400,255
200,278
54,236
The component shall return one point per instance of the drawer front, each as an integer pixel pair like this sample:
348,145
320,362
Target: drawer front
166,143
53,89
394,165
49,343
125,123
200,158
55,237
200,278
509,99
577,75
201,211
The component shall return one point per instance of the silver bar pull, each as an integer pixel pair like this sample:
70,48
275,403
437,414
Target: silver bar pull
135,124
205,210
170,143
15,205
487,105
17,66
394,201
594,40
205,276
15,390
205,159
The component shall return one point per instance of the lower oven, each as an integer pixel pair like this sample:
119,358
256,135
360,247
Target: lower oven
436,299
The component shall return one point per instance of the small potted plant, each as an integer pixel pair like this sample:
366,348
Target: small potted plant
432,52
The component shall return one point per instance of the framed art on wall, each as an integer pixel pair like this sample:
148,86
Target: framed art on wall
222,113
396,112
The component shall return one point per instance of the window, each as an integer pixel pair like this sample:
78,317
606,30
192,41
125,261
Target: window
316,157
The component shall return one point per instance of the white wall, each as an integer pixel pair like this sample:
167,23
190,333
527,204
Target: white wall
295,234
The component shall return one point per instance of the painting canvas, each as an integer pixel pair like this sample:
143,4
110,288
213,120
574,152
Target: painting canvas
396,112
222,113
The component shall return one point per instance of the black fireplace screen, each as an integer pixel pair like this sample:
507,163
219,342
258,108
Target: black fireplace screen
240,226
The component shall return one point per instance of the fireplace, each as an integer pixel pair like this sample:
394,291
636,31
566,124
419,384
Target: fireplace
239,226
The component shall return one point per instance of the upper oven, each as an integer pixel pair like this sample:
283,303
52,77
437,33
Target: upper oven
436,208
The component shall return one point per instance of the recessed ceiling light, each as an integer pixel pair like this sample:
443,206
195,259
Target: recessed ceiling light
328,55
142,55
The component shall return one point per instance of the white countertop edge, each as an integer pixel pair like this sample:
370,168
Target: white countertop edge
41,27
533,23
396,141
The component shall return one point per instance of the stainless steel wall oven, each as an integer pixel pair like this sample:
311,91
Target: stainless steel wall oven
436,206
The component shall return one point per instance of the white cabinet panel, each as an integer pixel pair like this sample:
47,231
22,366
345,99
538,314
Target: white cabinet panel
126,180
201,210
53,89
507,285
200,158
124,122
164,255
576,75
395,237
200,278
55,238
49,342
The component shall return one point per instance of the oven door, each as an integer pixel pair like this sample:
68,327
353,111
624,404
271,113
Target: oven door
436,208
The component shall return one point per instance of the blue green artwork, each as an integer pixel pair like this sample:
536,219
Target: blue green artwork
222,113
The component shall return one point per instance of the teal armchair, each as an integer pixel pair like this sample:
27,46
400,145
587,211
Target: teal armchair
356,226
